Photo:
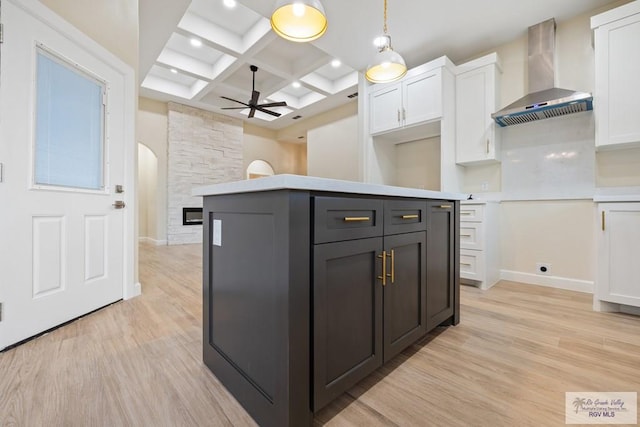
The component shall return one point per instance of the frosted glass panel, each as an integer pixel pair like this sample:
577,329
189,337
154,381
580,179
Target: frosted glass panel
69,146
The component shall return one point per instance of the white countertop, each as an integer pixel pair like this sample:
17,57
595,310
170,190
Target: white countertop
299,182
617,194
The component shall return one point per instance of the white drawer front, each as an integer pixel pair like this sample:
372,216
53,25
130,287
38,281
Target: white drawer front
471,212
472,264
471,235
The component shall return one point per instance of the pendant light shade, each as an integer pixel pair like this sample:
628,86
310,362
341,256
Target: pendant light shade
299,20
388,65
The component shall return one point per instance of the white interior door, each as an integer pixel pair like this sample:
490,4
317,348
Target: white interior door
63,135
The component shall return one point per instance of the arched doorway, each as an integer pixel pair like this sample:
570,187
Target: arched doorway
259,169
147,193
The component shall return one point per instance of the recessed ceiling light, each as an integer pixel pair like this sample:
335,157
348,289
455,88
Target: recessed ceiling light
336,63
296,85
196,42
229,3
174,71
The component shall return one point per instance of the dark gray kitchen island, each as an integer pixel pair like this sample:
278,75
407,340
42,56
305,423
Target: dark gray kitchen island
310,284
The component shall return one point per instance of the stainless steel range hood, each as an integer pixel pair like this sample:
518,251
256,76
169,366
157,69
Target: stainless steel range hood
544,100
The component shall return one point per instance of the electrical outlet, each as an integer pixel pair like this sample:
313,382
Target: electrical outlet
543,268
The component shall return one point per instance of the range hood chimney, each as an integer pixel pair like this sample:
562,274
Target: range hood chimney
544,99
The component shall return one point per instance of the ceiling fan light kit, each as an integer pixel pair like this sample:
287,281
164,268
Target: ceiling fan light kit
299,20
388,65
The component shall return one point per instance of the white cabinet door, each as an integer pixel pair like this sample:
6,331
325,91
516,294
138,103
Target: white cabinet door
616,101
618,277
422,97
385,105
476,95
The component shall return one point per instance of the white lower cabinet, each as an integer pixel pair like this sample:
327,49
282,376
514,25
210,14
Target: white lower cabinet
618,277
479,243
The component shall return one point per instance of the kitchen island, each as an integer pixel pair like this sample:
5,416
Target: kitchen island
310,284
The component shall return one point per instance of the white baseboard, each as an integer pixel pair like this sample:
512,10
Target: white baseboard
132,291
557,282
152,241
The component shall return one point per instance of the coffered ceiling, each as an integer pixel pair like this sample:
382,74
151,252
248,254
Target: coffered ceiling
324,72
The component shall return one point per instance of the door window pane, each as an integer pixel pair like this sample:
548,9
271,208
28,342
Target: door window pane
69,145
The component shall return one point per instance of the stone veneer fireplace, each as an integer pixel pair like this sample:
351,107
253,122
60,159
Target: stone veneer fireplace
203,148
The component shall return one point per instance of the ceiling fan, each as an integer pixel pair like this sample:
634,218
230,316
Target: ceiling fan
253,102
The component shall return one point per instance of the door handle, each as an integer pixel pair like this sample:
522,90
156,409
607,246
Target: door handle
118,204
393,267
384,268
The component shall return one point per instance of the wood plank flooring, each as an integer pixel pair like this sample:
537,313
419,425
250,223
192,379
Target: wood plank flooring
517,350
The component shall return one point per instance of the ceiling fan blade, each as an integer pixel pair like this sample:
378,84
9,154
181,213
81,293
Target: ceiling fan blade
273,104
252,112
273,113
234,108
234,100
254,97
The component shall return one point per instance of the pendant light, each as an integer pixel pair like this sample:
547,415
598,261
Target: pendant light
388,65
299,20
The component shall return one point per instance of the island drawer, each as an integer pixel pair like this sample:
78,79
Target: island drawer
346,218
404,216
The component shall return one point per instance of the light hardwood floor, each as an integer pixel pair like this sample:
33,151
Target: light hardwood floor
517,350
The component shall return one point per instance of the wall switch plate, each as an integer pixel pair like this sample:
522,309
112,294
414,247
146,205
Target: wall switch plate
484,186
543,268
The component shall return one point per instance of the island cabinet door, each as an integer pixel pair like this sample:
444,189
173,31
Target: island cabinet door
441,263
347,315
404,291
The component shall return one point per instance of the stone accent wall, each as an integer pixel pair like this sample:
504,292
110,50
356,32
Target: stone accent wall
203,148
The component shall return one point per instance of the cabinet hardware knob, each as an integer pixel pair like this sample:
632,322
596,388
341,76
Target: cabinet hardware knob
413,216
445,206
356,218
384,268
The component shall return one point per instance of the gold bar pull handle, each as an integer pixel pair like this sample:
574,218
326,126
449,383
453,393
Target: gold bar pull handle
384,268
445,206
412,216
603,227
465,263
393,267
356,218
487,145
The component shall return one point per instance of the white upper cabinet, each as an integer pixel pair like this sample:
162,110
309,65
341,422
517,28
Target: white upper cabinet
422,97
385,106
477,86
413,100
617,69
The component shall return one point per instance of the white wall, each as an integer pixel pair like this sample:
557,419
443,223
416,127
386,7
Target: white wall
112,23
152,132
418,164
332,150
262,144
147,193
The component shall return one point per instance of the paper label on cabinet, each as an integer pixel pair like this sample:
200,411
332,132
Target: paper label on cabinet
217,232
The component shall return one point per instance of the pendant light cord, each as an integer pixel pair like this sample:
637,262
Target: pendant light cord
384,27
